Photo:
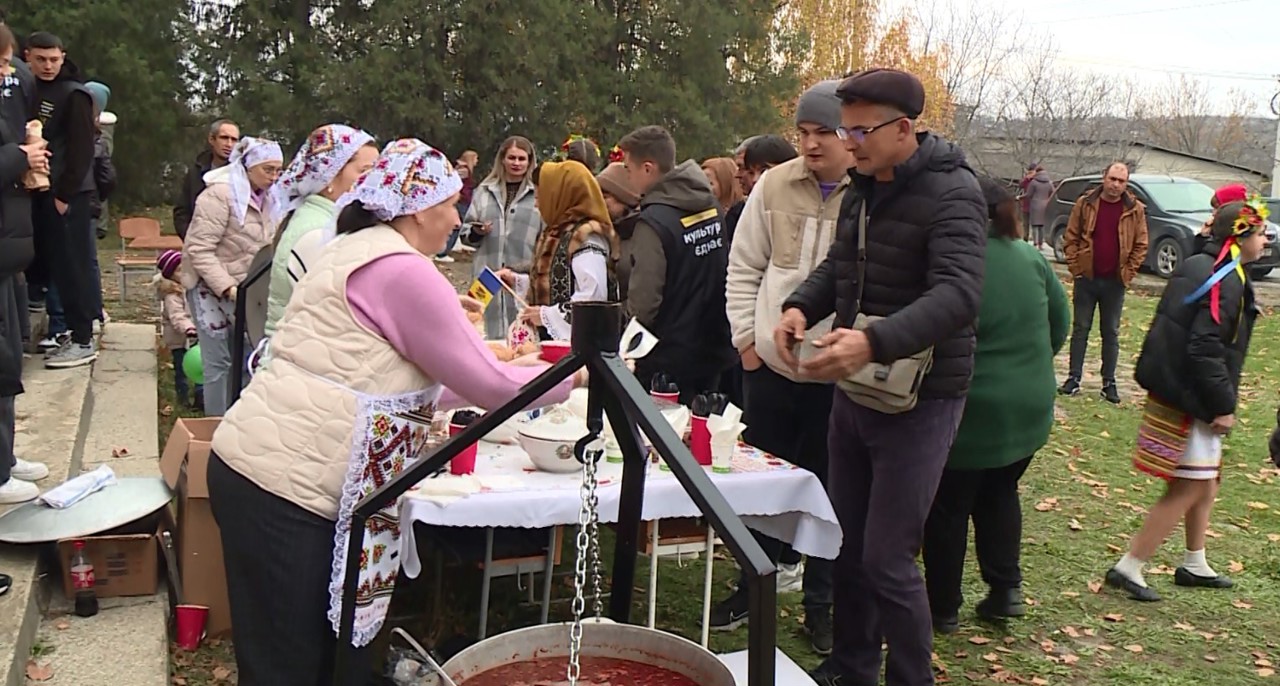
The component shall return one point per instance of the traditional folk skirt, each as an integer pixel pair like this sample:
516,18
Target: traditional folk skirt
1174,445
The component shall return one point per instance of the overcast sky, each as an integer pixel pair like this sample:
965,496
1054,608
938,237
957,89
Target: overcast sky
1225,44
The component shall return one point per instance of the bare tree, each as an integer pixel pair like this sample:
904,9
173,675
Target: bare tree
1183,115
1069,121
976,46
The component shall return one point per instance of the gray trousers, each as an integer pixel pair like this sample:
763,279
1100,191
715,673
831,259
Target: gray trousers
11,338
215,358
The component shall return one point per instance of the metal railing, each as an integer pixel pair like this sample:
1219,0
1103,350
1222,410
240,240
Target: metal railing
613,390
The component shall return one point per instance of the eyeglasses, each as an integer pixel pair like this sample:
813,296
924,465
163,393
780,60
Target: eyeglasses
858,134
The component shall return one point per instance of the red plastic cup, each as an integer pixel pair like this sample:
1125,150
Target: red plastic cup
554,351
700,440
673,398
465,461
191,620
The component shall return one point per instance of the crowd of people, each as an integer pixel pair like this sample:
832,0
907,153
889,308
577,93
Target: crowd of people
876,307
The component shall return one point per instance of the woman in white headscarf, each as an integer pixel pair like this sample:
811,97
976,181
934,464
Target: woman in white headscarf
302,204
230,225
373,342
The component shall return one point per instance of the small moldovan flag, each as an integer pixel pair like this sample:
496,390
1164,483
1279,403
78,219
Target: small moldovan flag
485,287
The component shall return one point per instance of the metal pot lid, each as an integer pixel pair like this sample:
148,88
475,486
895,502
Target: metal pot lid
556,424
130,499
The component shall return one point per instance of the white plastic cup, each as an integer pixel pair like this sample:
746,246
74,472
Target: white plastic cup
722,455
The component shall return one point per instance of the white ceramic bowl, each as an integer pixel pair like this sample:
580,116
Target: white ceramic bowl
550,438
550,456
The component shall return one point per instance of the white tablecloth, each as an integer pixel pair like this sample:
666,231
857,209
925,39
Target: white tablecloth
772,497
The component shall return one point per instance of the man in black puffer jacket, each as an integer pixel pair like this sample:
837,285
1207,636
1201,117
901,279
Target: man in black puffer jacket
926,235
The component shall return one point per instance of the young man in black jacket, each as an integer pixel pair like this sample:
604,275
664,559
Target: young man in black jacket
62,214
16,251
925,243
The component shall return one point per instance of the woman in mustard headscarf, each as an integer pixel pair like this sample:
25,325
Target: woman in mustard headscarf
576,252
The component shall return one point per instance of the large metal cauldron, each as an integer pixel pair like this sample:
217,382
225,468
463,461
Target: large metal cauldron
623,641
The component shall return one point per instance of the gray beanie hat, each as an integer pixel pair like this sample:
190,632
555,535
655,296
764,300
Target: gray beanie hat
820,105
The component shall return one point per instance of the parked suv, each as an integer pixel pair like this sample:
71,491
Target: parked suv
1176,209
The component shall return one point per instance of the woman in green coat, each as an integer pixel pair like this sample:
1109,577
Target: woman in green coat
1023,321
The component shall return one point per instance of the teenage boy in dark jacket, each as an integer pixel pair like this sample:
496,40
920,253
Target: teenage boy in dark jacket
1190,366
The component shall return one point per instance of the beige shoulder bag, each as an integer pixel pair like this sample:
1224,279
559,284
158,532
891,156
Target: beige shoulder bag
889,388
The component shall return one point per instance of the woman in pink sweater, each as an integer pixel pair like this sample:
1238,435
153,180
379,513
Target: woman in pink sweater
372,343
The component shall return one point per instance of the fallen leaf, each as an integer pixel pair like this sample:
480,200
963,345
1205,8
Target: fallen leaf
1274,538
1047,645
1241,605
1266,672
1039,681
1075,525
1258,506
979,640
221,673
1070,659
39,671
991,657
178,681
166,411
1105,434
1235,567
1002,649
1113,617
1089,632
1071,631
1212,534
962,655
1262,662
1206,635
1009,640
1045,505
1183,626
119,451
1070,594
1095,586
62,625
1114,548
1210,658
1133,648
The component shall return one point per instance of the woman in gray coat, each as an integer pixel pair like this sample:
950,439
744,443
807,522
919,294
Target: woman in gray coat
503,224
1039,193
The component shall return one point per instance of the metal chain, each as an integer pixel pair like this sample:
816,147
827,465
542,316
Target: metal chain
588,547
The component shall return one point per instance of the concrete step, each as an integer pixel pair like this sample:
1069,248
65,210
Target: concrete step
126,643
51,425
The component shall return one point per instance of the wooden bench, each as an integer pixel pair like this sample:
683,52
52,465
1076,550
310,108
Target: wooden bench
140,233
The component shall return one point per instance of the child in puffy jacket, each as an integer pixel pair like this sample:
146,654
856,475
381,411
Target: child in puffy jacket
176,326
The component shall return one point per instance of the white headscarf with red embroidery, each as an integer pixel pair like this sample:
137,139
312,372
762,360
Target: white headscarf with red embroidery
408,177
248,153
328,149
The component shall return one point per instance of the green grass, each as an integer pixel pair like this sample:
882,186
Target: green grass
1092,501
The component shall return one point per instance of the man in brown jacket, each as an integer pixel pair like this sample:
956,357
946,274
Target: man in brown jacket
1105,243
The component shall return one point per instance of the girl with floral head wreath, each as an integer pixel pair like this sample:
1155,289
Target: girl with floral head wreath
576,254
1190,366
371,345
231,223
325,168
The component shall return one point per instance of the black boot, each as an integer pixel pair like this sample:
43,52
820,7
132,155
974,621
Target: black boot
1110,393
1069,387
1001,603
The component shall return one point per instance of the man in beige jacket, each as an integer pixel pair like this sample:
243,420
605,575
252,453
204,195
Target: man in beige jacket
787,225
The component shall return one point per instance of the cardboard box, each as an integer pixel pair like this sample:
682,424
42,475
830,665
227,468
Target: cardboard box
184,464
124,563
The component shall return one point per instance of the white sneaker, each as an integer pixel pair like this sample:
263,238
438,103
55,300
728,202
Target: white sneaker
463,248
18,491
791,578
443,260
28,471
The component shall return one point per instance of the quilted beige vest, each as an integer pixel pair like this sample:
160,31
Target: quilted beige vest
294,428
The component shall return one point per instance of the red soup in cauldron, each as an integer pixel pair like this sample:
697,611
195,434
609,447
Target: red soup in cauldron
596,671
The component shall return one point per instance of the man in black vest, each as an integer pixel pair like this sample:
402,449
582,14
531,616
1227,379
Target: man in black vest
16,250
680,255
62,214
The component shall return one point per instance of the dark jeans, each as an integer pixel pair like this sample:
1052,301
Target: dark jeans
790,420
11,338
67,251
96,288
990,497
453,239
1107,297
279,601
179,374
884,472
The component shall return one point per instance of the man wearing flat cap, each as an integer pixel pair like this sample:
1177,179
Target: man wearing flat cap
904,280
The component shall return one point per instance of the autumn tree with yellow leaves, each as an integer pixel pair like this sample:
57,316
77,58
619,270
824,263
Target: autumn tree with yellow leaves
850,35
